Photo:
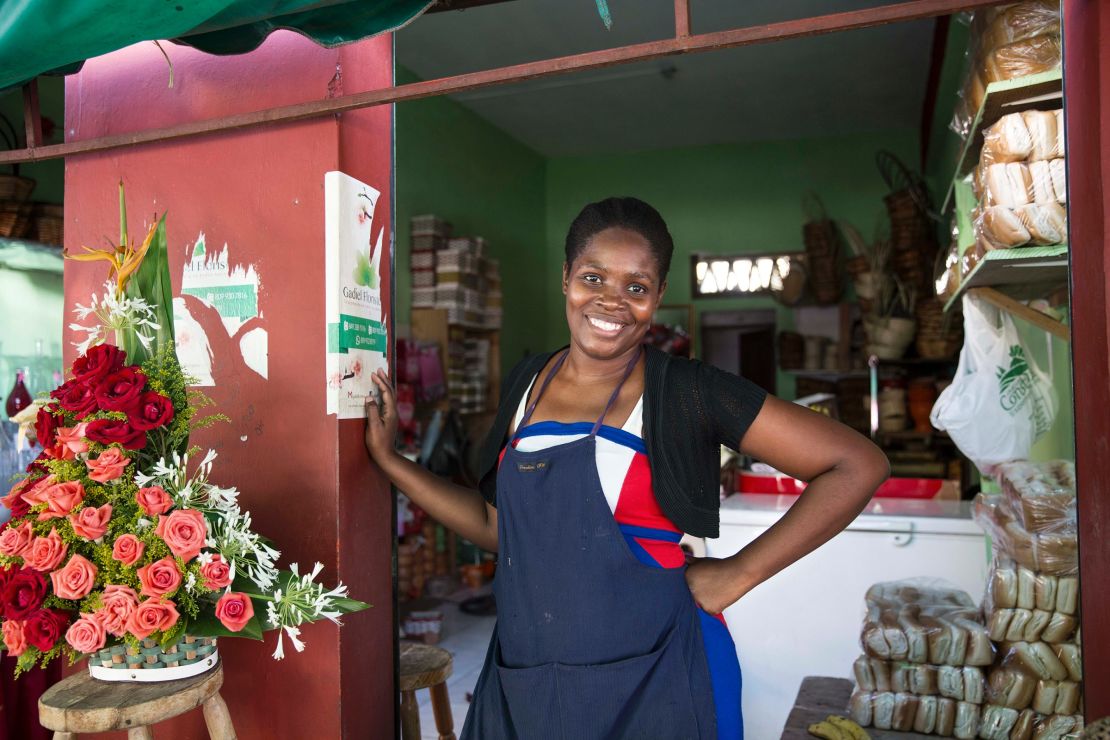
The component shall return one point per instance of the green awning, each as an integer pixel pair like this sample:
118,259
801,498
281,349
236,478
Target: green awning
57,36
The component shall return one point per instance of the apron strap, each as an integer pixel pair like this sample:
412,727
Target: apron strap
555,368
546,381
617,391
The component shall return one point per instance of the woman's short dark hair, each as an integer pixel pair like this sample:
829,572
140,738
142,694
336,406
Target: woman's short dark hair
628,213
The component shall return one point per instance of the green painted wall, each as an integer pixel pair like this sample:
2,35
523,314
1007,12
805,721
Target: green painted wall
724,199
454,164
49,176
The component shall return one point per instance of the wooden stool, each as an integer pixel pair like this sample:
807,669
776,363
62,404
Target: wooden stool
425,667
80,703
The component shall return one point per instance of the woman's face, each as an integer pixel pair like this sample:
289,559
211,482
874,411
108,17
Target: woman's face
612,290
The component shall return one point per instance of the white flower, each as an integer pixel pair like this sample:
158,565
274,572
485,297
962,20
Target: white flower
204,558
112,314
191,583
143,523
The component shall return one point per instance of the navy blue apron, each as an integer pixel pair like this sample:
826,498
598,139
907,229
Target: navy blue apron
590,642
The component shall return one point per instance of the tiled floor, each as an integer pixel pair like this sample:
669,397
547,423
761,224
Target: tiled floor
466,637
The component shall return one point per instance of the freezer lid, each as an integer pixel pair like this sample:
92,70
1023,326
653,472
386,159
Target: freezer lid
924,516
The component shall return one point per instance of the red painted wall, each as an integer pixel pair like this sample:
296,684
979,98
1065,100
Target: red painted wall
303,475
1087,99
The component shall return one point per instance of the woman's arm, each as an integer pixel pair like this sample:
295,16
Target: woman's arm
843,469
455,507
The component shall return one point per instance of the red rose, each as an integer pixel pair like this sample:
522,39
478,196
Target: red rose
152,411
113,431
77,397
45,627
37,467
23,594
120,391
99,362
45,425
14,499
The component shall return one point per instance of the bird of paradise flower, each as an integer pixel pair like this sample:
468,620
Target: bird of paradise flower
138,310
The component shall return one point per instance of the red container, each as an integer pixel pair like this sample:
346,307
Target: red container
892,488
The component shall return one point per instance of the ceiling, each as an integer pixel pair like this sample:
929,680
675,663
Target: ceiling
854,82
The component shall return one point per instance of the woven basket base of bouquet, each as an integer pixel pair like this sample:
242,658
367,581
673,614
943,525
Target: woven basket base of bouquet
189,656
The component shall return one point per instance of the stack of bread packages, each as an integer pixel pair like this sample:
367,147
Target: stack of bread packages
926,652
1031,606
1007,42
1021,183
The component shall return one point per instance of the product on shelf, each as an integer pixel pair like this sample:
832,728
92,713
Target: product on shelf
1007,42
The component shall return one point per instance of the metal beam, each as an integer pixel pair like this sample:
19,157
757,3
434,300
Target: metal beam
750,36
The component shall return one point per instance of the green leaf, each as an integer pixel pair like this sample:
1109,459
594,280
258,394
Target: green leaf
347,606
174,634
206,625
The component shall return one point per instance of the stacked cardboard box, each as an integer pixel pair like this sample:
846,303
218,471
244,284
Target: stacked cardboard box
429,235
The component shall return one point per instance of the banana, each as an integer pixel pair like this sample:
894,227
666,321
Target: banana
849,727
827,731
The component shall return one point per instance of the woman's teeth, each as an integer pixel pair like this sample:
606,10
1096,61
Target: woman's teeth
605,325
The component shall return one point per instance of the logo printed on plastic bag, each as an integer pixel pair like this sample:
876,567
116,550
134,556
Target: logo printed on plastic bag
1016,385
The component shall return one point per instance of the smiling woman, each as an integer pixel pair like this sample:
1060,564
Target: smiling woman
601,456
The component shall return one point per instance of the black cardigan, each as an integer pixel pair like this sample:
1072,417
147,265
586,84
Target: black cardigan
690,410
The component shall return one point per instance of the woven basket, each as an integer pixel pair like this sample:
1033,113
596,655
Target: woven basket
15,218
47,223
189,656
14,187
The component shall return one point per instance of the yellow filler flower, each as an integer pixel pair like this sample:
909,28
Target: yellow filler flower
124,259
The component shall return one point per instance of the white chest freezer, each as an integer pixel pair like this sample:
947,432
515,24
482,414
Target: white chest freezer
806,620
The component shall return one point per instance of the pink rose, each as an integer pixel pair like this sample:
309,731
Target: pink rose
234,610
117,604
60,499
14,639
154,500
33,493
73,439
45,553
109,466
217,573
153,615
91,523
160,578
184,531
74,581
86,635
128,549
14,541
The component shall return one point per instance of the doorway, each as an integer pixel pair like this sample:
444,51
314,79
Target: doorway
741,342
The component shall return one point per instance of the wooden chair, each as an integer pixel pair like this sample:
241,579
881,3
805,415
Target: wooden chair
82,704
425,667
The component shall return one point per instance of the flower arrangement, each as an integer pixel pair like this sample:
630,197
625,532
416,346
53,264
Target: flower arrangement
114,537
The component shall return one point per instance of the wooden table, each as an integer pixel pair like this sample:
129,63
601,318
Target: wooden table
821,696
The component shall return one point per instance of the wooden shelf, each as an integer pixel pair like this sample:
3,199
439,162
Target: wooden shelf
1021,273
1042,91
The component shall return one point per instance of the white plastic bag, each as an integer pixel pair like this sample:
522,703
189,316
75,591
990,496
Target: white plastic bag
1000,402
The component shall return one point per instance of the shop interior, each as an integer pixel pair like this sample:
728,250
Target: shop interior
831,201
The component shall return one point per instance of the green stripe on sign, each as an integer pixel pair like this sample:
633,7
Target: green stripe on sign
230,301
356,332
